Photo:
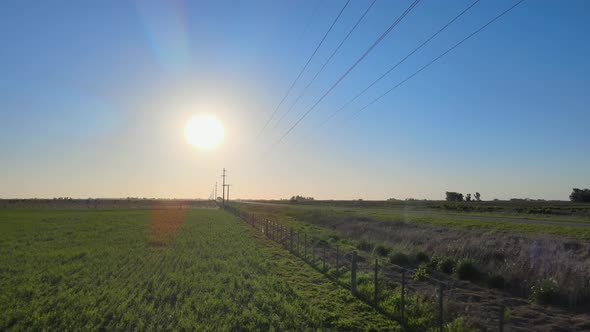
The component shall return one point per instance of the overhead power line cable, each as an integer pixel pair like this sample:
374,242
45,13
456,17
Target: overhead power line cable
326,63
437,58
308,24
397,64
303,69
383,35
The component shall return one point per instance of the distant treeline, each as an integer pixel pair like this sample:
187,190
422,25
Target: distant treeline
580,195
452,196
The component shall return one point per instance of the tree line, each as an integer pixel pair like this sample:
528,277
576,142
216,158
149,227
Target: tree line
452,196
577,196
580,195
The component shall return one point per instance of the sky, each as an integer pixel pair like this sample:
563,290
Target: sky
94,97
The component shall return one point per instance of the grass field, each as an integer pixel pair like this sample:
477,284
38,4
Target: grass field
516,258
167,269
432,214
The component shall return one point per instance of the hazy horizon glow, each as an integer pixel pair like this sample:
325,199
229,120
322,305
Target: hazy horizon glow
89,109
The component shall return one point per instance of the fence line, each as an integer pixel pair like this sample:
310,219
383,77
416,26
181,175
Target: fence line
291,240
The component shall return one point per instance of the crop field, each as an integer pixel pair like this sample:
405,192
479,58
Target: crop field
539,265
161,269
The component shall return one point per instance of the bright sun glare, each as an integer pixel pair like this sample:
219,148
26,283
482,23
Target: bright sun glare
204,131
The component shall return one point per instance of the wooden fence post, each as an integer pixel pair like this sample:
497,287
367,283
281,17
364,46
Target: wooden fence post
353,274
502,311
376,282
312,252
403,295
440,308
337,261
324,260
298,243
304,246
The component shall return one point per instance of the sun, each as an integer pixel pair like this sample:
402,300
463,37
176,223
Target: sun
204,132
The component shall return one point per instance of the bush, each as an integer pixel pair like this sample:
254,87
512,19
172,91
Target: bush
496,281
446,265
333,238
399,258
422,257
421,273
466,270
365,245
433,263
382,250
460,324
545,292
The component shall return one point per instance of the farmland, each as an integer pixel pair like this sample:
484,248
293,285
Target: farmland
160,269
527,258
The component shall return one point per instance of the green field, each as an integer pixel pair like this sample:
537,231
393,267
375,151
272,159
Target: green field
503,252
424,213
195,269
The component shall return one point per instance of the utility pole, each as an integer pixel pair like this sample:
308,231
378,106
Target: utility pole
215,199
228,185
223,187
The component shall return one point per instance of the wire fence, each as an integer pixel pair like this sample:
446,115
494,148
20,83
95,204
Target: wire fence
410,296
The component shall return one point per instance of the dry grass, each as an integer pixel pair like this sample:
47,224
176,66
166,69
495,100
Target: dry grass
523,260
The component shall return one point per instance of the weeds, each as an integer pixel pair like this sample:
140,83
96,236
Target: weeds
544,292
421,273
466,270
446,265
399,258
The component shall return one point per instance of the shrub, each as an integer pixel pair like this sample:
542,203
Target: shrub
496,281
433,263
422,257
544,292
382,250
466,270
460,324
334,238
399,258
421,273
446,265
365,245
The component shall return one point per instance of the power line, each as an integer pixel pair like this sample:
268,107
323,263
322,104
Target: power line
397,64
303,69
326,62
383,35
308,24
437,58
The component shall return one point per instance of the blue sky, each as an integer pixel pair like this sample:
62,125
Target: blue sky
94,97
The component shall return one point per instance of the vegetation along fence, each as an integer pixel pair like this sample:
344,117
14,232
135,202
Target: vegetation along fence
412,297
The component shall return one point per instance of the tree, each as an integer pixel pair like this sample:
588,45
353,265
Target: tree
477,197
299,198
454,196
580,195
468,197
